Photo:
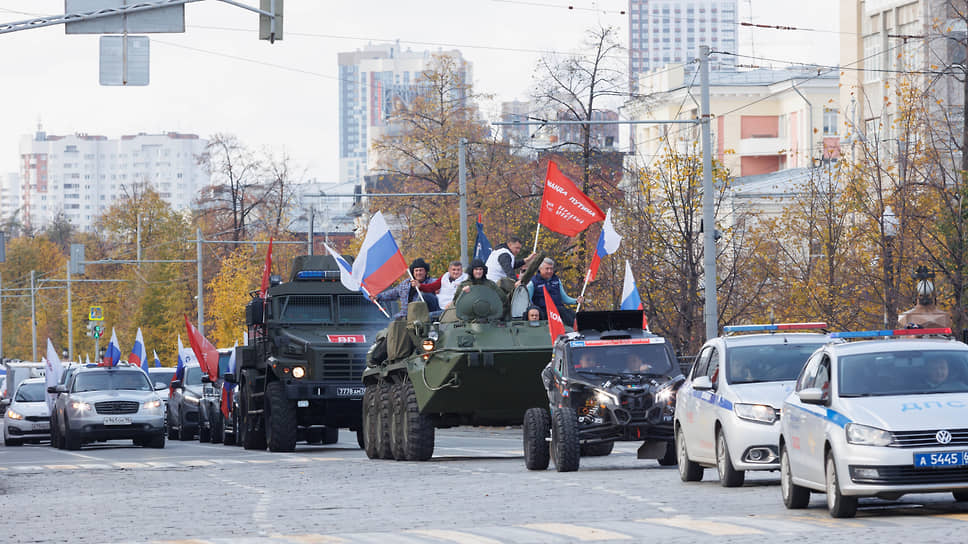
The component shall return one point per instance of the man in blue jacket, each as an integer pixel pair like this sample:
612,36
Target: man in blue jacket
546,278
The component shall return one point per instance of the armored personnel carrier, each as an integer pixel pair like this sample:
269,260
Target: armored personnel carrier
478,364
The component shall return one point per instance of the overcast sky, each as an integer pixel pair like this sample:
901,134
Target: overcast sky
219,77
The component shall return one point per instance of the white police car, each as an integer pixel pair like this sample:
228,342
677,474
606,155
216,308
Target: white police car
877,418
727,411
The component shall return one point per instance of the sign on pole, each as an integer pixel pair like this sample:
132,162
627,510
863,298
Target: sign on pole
95,313
77,259
162,19
124,60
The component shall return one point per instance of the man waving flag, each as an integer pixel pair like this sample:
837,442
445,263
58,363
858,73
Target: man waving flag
139,356
379,262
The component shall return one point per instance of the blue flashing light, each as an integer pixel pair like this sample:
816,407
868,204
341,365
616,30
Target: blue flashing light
890,332
774,327
309,275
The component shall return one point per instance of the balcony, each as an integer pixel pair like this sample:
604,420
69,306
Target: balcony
761,146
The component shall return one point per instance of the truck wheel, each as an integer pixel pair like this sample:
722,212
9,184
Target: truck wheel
418,429
600,449
371,411
330,435
253,431
564,440
688,471
669,458
728,475
383,422
537,426
314,436
398,412
280,419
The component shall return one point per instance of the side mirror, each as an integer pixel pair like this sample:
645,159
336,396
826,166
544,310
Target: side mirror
229,377
160,386
702,383
813,395
57,389
5,402
175,384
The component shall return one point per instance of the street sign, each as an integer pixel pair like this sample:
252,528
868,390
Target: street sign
77,259
124,60
95,313
166,19
268,31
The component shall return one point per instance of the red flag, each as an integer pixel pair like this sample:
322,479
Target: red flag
564,208
555,324
205,352
266,271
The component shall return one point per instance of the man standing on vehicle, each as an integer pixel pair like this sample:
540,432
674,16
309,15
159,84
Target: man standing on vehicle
503,262
406,290
546,278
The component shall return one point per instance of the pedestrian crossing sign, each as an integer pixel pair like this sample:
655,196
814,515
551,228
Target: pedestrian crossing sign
95,313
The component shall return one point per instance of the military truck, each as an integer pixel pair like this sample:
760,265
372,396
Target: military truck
299,377
479,363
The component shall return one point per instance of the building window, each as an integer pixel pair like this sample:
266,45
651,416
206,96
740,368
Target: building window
830,116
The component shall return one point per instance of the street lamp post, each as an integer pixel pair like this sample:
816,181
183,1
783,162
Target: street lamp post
889,228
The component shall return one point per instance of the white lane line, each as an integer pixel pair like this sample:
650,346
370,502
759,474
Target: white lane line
309,539
129,465
455,536
577,532
81,455
61,467
703,526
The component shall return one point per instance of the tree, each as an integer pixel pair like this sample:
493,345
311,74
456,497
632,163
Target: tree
239,184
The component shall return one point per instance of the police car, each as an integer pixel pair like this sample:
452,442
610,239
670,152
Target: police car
877,418
728,410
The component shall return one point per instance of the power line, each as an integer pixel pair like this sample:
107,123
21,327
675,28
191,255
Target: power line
830,68
569,7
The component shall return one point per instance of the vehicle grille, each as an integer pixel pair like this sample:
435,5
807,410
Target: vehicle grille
37,418
926,439
908,475
637,405
343,366
116,407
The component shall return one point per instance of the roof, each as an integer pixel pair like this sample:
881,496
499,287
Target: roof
898,344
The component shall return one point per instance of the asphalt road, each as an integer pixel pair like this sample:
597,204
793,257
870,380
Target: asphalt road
475,490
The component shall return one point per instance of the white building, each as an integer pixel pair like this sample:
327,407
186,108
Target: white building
80,175
663,32
9,196
373,82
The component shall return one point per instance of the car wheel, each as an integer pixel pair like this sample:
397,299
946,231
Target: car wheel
72,440
172,430
157,441
840,506
671,457
11,442
184,433
384,417
218,427
728,475
794,496
204,434
537,427
688,471
564,439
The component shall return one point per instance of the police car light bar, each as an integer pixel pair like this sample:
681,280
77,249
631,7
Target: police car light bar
774,327
324,275
889,332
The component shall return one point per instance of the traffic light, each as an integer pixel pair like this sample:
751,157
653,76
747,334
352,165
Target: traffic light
98,331
90,328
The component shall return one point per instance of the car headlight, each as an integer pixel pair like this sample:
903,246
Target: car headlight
80,406
191,399
603,397
761,413
867,436
152,404
13,414
298,372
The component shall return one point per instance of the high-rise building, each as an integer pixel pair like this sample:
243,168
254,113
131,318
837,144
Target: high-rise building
373,82
80,175
663,32
9,197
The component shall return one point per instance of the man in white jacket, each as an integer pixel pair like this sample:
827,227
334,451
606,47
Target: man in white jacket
446,285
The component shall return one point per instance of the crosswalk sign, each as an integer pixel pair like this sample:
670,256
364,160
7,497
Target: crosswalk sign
95,313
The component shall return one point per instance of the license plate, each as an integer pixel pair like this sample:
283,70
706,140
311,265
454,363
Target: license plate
116,420
41,427
350,391
941,459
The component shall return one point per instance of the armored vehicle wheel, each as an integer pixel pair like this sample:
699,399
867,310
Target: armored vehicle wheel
360,438
601,449
330,435
371,410
398,412
565,448
253,433
280,417
669,458
728,475
418,429
688,471
204,434
383,421
537,427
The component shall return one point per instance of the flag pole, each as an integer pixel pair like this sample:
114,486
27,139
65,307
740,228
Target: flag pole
536,231
374,301
583,287
419,294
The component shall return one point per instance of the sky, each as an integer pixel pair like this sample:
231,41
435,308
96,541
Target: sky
218,77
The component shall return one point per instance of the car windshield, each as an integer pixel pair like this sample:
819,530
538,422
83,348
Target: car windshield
223,363
306,308
767,363
619,359
356,309
31,392
107,381
903,373
162,377
193,375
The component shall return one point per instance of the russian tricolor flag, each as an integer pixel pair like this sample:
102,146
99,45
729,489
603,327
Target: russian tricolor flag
157,360
630,295
608,242
112,356
226,386
379,262
139,356
345,270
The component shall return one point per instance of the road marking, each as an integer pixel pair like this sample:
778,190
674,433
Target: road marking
309,539
959,517
185,541
95,466
455,536
826,521
578,532
709,527
81,455
129,465
328,458
61,467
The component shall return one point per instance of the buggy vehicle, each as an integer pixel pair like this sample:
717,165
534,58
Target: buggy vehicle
609,381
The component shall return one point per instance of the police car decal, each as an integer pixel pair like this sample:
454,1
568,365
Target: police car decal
830,415
715,400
